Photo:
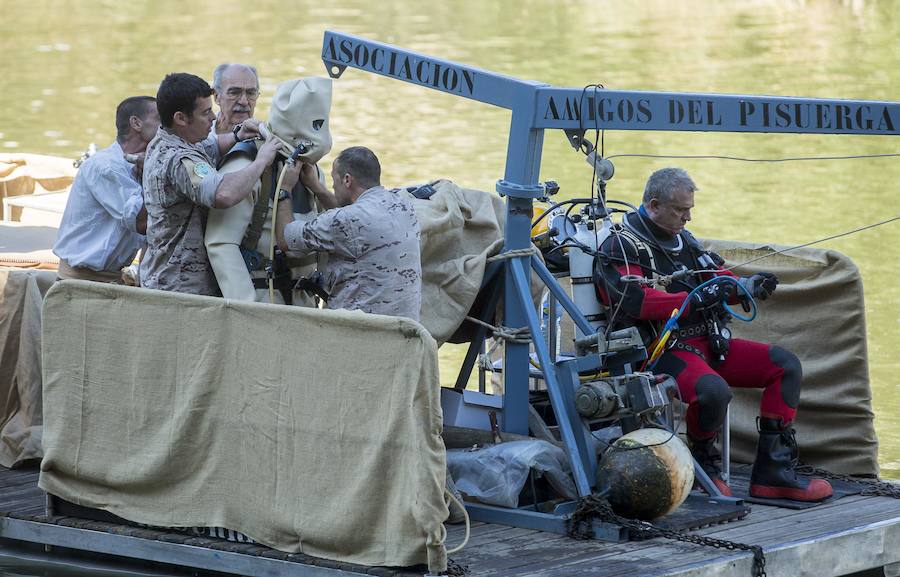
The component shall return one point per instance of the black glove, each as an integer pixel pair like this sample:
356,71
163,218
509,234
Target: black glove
712,295
760,285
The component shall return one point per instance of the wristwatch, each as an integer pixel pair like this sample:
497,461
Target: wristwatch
283,194
235,130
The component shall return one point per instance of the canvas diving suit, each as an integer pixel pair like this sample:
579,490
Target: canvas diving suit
237,238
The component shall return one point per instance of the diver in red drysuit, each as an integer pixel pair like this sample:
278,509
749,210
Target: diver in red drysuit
704,360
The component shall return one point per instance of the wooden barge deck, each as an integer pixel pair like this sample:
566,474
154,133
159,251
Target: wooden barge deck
843,537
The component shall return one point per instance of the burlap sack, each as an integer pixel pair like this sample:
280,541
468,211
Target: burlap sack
461,228
818,313
21,293
311,431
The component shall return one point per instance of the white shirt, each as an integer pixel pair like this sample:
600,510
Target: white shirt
98,229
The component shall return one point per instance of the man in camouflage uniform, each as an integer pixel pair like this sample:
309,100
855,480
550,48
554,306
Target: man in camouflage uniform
180,185
370,234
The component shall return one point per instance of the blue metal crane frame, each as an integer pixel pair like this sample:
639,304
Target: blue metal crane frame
537,107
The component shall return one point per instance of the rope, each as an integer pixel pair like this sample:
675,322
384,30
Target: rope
468,526
520,335
513,254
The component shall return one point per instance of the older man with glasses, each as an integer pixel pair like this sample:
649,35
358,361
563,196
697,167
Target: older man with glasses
236,88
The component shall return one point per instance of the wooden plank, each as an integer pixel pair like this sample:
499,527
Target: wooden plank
13,500
498,559
813,522
12,478
500,536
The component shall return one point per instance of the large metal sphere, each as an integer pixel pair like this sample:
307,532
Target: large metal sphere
649,472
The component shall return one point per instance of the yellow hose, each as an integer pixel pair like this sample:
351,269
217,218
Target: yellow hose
660,344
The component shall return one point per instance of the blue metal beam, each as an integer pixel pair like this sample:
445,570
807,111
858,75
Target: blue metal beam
574,108
546,106
342,50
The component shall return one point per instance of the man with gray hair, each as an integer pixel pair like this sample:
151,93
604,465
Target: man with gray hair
370,234
702,356
238,239
236,89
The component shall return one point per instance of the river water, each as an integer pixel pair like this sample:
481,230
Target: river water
66,64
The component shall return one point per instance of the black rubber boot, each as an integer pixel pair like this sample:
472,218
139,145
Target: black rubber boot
708,457
774,475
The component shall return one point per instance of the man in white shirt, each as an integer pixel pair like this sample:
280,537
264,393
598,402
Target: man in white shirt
104,221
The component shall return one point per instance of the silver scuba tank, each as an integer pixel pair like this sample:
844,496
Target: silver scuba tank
581,270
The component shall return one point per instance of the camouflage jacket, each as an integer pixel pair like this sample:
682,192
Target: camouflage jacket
373,246
180,184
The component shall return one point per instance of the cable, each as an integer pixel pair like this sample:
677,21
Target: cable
659,346
270,275
468,525
890,220
552,207
742,159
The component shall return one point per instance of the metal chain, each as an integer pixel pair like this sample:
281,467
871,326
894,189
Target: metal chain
595,507
455,569
872,487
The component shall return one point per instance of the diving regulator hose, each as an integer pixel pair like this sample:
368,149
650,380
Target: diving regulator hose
659,346
270,273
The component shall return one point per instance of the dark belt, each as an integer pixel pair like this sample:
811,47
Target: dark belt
680,346
281,283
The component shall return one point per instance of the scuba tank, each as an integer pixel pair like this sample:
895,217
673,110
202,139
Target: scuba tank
581,265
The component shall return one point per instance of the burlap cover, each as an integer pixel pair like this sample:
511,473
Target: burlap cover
460,228
817,312
310,431
21,293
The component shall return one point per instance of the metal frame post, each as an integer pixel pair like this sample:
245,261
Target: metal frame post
536,107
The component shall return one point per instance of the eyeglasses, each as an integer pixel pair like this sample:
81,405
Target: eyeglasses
235,92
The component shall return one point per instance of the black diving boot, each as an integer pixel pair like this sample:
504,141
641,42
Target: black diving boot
774,475
708,457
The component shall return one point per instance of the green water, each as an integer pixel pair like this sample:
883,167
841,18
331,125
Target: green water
65,65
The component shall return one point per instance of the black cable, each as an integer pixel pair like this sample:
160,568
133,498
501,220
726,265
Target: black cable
552,207
613,447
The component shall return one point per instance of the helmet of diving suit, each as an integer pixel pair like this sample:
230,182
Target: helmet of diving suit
299,115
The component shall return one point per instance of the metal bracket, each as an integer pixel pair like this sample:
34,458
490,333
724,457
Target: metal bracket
507,188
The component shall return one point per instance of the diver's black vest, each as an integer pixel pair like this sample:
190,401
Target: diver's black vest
638,241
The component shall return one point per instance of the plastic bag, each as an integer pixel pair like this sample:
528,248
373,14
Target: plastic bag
496,474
